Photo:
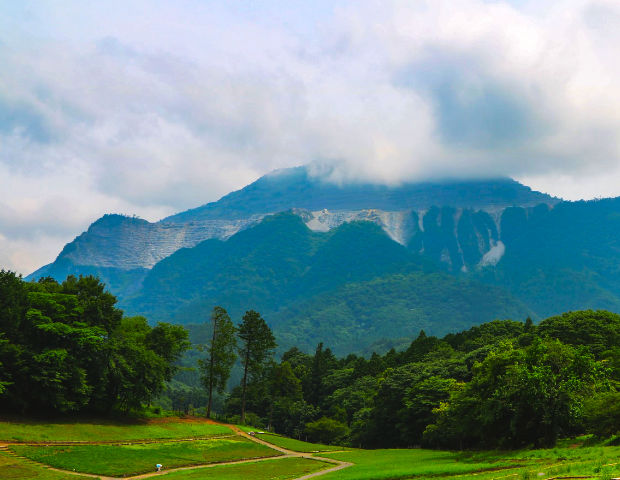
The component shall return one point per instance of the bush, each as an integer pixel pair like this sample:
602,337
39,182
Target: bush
602,414
327,430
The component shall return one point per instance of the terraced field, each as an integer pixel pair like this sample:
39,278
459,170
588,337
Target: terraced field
195,449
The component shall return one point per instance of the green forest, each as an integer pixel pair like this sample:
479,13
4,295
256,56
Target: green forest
66,348
503,384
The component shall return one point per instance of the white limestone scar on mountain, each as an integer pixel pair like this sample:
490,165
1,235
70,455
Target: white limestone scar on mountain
125,243
319,221
393,223
494,255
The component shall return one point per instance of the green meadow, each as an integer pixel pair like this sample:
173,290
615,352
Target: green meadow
12,468
104,430
296,445
207,458
282,469
597,462
122,460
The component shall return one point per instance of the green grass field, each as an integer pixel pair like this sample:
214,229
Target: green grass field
119,460
525,464
101,431
297,445
12,468
572,458
393,464
283,469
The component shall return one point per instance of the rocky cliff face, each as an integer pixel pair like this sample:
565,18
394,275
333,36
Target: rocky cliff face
461,238
128,243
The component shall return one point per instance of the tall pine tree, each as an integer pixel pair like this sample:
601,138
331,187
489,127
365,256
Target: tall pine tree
257,345
220,354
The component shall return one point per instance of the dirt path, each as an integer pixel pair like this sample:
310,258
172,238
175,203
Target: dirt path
286,453
323,472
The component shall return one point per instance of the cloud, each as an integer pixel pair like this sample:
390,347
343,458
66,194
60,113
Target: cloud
151,107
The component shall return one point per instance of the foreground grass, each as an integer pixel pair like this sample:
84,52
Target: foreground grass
297,445
119,460
395,464
102,431
282,469
523,465
19,469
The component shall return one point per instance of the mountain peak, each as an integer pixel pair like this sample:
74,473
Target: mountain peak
296,187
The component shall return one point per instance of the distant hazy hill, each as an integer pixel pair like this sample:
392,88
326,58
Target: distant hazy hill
354,264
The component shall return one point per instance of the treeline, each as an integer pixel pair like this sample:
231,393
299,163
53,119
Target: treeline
502,384
66,348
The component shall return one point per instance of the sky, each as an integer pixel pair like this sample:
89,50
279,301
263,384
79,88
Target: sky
152,107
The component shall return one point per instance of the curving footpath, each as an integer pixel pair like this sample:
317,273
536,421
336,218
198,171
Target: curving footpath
286,453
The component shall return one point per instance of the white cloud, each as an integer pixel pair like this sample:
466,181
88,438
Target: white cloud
154,107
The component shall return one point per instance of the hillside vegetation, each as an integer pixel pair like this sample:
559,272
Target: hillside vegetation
67,348
503,384
353,285
357,286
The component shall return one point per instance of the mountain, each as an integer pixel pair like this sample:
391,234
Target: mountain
358,264
121,249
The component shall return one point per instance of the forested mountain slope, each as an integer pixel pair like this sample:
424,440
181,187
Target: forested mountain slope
353,285
566,258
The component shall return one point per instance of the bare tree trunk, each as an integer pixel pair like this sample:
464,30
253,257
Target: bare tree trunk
244,384
211,371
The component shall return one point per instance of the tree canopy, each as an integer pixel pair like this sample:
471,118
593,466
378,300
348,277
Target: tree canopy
65,347
503,384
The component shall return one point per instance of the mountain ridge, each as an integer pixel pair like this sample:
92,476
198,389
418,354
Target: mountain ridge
360,276
297,188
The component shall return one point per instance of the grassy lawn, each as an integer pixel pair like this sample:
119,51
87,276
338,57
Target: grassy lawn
282,469
524,465
571,458
12,468
393,464
101,431
297,445
119,460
